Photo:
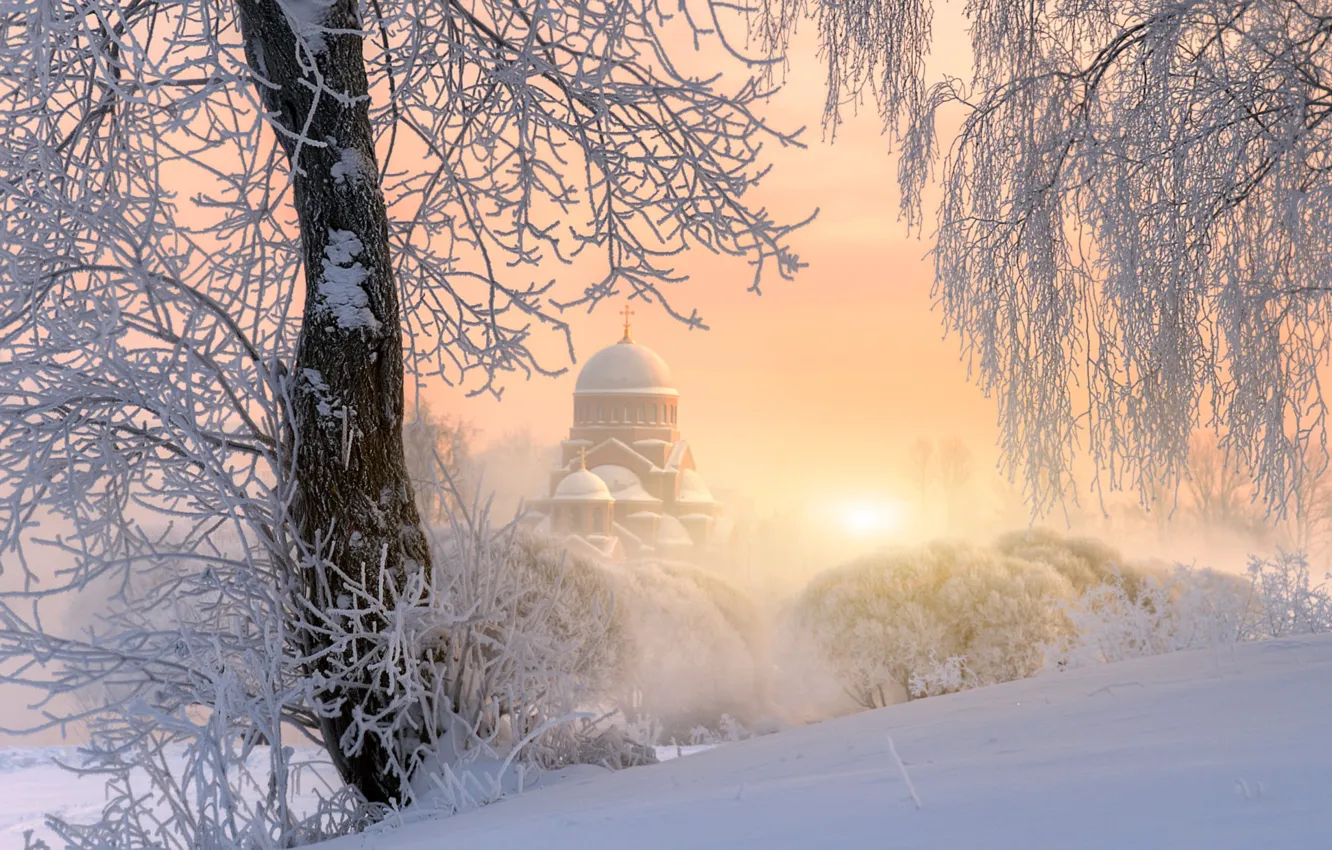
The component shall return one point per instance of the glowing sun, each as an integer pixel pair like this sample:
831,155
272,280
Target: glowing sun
872,519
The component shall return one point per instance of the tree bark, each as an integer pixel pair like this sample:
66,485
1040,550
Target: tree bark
355,501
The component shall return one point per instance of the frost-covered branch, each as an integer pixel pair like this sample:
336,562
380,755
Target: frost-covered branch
1132,241
231,229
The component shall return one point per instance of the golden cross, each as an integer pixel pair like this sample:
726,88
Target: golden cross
582,457
627,314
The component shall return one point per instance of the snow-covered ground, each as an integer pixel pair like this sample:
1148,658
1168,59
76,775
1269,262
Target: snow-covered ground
1201,750
33,784
1191,750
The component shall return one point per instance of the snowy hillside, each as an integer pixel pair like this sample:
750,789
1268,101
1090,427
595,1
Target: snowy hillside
1191,750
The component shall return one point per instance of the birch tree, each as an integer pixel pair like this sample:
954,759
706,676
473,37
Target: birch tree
1133,238
1219,488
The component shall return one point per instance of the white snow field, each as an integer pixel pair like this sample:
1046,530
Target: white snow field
1206,749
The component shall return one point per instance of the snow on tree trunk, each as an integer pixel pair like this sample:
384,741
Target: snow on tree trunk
356,508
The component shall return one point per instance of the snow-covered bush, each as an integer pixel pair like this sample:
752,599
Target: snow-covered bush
884,621
728,731
1187,609
1287,600
1084,561
942,677
1193,609
700,648
1002,610
528,636
499,655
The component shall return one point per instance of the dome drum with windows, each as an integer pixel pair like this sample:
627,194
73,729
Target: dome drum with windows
627,486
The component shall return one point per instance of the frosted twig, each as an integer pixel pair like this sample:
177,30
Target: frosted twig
906,777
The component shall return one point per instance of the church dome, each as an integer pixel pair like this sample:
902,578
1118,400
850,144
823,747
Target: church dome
628,368
584,486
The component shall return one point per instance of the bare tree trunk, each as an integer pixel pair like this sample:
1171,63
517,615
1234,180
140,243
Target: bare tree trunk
355,500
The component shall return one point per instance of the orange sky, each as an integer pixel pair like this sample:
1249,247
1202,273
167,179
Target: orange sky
817,388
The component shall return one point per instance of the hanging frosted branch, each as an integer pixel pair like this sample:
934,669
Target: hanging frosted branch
1132,238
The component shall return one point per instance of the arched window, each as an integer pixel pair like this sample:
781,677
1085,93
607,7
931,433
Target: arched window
596,519
628,417
642,413
652,408
601,413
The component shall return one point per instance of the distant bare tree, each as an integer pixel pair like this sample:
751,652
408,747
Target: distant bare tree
1312,518
513,469
920,458
434,444
1161,502
955,470
1221,488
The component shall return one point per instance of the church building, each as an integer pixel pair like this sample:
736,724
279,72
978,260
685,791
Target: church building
627,486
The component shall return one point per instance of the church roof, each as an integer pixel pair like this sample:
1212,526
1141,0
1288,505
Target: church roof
625,368
582,486
623,484
613,452
693,489
595,545
671,532
677,456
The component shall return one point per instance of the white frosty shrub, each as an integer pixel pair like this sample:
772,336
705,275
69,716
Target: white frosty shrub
1084,561
700,648
1185,610
531,639
1287,600
728,731
1193,609
495,655
883,621
942,677
1003,611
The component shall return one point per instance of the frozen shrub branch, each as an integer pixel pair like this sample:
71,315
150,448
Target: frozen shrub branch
1194,609
490,655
